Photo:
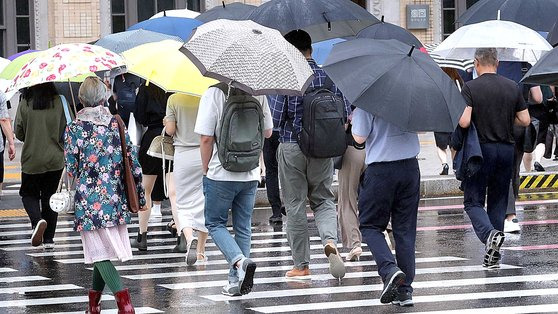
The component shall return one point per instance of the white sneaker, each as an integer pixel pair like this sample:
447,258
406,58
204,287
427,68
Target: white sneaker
48,246
511,226
156,213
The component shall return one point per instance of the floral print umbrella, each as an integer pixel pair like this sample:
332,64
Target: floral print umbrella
64,62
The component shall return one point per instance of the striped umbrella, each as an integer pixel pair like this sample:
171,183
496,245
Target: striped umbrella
458,64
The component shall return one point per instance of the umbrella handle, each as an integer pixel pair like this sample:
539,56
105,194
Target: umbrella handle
73,101
328,21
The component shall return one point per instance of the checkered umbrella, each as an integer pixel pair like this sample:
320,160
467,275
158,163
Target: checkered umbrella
252,57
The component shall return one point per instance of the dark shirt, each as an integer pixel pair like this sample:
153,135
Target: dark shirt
151,103
495,101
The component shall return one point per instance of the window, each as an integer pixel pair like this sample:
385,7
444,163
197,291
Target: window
194,5
448,17
362,3
118,13
471,2
148,8
23,27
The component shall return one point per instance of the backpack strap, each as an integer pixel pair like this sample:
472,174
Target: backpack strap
328,84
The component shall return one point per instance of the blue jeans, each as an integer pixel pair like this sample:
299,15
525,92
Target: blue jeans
220,196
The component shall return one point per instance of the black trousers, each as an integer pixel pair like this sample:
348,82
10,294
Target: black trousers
514,187
35,192
272,173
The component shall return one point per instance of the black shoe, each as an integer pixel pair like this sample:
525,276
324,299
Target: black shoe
171,227
283,211
493,244
538,167
445,170
140,242
403,299
181,245
555,158
262,183
276,220
395,279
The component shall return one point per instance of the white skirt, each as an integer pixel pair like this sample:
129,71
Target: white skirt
188,177
111,243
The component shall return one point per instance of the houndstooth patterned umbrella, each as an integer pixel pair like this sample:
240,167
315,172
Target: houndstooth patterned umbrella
252,57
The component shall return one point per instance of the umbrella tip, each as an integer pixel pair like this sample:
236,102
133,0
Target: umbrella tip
412,49
382,18
164,12
223,2
498,18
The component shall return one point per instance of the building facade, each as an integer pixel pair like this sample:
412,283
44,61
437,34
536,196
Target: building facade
39,24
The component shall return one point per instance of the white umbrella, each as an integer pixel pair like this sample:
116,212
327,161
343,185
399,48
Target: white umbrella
252,57
513,41
3,63
177,13
458,64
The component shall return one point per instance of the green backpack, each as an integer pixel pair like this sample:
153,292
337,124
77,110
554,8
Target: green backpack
240,142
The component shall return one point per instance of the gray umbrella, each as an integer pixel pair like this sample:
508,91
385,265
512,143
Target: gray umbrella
544,72
553,35
385,30
233,11
120,42
396,82
322,19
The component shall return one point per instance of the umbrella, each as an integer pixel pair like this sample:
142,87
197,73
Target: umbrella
513,41
3,63
553,35
177,13
385,30
538,15
322,19
120,42
233,11
64,62
397,83
162,64
321,50
11,70
458,64
545,71
14,56
174,26
252,57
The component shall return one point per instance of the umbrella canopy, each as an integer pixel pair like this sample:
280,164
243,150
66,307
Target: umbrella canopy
322,19
553,35
14,56
64,62
3,63
538,15
545,71
397,83
321,50
458,64
11,70
162,64
173,26
385,30
120,42
233,11
177,13
252,57
514,42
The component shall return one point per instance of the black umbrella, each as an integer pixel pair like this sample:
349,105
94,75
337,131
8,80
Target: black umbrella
385,30
538,15
545,71
233,11
396,82
322,19
553,35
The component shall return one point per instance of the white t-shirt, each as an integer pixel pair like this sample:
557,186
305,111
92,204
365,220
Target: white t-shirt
208,122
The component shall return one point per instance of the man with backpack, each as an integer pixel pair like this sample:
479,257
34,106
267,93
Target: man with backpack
312,130
232,125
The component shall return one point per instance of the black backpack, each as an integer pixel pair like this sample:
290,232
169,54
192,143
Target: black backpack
240,142
126,99
323,123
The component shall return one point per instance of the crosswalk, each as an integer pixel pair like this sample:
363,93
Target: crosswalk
33,280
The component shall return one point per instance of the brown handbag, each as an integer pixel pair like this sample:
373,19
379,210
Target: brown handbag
129,182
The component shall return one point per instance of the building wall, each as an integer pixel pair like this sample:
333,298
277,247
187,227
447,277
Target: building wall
73,21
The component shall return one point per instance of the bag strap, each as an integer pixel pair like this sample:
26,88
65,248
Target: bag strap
328,84
66,109
61,182
121,128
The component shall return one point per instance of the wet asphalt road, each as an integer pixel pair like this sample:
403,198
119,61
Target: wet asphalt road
449,277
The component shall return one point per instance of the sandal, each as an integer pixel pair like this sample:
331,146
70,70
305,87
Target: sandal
202,258
171,227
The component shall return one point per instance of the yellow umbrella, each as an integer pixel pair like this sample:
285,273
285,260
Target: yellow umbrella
162,64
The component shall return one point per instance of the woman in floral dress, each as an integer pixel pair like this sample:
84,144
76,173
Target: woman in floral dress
94,158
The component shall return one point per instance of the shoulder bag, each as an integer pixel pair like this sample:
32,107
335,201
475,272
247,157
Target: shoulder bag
129,182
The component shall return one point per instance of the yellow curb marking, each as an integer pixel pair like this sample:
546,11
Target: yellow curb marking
13,213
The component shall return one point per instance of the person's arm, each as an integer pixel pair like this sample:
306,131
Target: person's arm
522,118
268,120
170,118
465,120
536,95
206,122
362,124
206,150
170,127
277,107
7,129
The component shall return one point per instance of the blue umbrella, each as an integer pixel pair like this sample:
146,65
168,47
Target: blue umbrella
120,42
321,50
173,26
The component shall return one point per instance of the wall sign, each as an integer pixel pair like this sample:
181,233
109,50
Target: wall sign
418,16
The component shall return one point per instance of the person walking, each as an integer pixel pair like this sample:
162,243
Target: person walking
494,104
94,158
224,189
186,179
40,124
7,134
272,177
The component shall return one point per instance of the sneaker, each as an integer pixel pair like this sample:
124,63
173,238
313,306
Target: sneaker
300,274
246,275
156,213
403,299
192,255
336,266
48,246
38,232
511,226
231,290
394,280
276,220
493,244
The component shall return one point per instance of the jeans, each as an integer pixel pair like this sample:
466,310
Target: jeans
491,184
391,190
220,196
272,173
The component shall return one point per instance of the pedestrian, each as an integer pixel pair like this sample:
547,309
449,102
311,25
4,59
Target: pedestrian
226,189
94,159
40,123
533,97
494,104
186,178
150,110
7,134
272,176
389,190
306,177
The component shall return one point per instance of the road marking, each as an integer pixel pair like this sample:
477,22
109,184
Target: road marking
457,227
538,308
28,289
22,279
6,270
531,247
137,310
50,301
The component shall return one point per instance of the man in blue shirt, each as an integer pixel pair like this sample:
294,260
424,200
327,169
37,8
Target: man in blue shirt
390,189
304,177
